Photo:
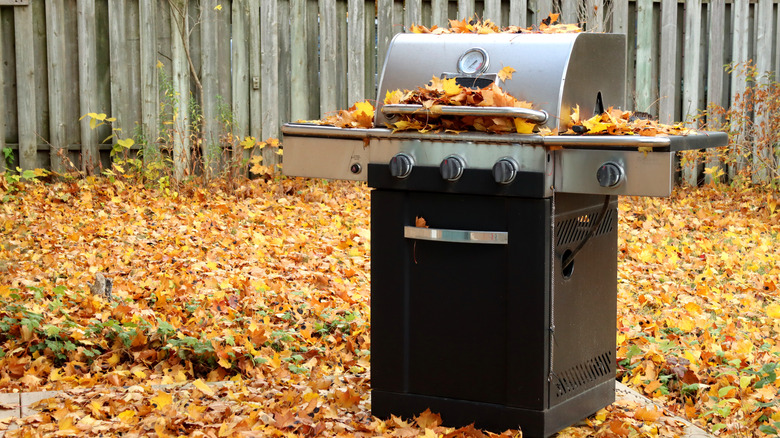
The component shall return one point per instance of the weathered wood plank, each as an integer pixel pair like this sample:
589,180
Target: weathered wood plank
645,40
312,41
341,61
255,72
762,152
739,55
691,68
208,79
87,84
240,74
328,57
356,53
492,11
56,55
717,17
594,15
384,28
543,9
283,32
465,9
413,9
181,88
668,69
118,71
439,13
620,16
150,94
269,46
299,84
518,10
25,88
370,61
569,11
2,104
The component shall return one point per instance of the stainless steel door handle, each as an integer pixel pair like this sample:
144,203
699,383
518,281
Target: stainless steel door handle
457,236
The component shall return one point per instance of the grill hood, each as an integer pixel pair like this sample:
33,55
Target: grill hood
553,72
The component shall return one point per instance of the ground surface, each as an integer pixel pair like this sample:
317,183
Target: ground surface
267,285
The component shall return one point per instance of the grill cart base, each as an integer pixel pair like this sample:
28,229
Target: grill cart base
470,329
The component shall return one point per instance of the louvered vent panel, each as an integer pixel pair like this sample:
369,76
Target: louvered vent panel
584,373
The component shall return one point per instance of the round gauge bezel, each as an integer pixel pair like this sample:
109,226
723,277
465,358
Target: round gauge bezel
485,63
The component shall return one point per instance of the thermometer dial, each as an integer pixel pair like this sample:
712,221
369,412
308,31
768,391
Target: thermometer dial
473,61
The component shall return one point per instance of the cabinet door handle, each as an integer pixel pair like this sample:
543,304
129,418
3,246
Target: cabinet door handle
457,236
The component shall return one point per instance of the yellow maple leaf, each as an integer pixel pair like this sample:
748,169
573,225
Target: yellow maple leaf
773,310
451,87
506,73
161,400
523,126
203,387
126,416
364,108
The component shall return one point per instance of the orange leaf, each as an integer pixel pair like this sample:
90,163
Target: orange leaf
648,414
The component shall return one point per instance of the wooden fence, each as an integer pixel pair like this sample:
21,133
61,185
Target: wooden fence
244,67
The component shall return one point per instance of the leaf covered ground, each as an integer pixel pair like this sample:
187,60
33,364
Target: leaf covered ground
267,286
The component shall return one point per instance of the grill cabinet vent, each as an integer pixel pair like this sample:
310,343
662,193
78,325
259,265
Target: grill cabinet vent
575,229
585,373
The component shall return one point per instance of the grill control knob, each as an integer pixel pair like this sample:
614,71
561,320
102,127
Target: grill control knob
505,170
401,165
610,174
452,167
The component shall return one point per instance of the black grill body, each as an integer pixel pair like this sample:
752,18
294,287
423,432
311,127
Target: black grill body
493,334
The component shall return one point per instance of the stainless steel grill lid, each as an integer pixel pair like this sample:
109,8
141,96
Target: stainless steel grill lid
554,72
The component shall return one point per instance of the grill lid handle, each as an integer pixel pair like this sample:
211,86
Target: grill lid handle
536,116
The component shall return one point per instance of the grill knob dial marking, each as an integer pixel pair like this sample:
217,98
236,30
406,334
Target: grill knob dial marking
505,170
610,174
451,168
401,165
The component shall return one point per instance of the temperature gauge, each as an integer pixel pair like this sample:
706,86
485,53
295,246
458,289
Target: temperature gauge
473,61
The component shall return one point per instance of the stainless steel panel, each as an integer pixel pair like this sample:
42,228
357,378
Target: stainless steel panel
555,72
457,236
330,158
646,173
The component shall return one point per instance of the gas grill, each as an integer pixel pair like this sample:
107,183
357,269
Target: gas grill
501,312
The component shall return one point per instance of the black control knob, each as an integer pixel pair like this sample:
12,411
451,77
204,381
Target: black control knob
356,168
505,170
610,175
401,165
452,167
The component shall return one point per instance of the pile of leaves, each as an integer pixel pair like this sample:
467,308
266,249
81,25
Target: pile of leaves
614,121
267,287
472,25
447,92
359,115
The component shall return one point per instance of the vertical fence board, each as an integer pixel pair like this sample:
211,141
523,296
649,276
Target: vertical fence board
644,52
255,72
691,71
3,62
492,11
569,11
269,43
370,55
312,41
118,48
518,10
283,68
240,73
150,100
413,14
208,80
384,28
341,61
356,79
739,55
620,16
55,24
717,16
763,56
439,13
465,9
328,56
542,10
25,88
8,65
668,68
87,83
299,84
180,78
